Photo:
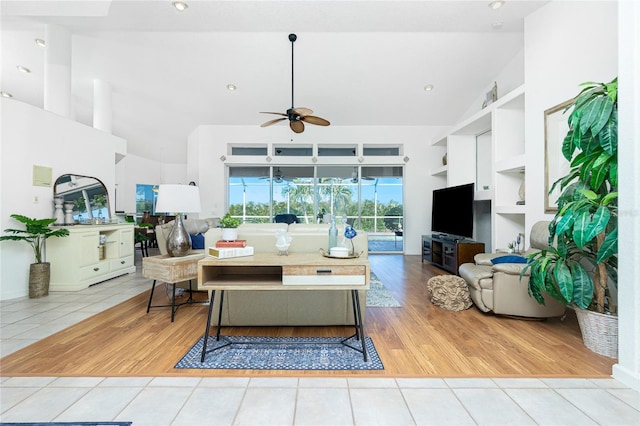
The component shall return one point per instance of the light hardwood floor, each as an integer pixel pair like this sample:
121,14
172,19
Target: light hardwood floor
416,340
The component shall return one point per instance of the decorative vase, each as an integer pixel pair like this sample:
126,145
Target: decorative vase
179,240
599,332
68,210
444,159
521,191
59,212
39,275
229,234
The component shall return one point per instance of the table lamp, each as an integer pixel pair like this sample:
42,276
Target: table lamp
178,199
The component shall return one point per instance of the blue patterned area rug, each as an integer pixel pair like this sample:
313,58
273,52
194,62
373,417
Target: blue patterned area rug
378,296
282,353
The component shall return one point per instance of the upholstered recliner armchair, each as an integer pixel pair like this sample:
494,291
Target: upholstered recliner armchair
497,287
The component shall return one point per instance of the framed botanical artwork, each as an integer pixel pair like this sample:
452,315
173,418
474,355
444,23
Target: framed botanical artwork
556,166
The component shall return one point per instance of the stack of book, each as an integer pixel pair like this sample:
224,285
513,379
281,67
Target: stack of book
228,249
234,243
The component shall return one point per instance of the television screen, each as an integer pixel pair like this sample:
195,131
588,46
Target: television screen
452,211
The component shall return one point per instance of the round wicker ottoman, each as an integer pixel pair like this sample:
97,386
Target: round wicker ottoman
449,292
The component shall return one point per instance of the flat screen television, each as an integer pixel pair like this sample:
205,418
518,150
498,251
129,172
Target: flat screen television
452,211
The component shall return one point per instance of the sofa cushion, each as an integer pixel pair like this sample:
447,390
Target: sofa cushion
473,274
485,258
509,259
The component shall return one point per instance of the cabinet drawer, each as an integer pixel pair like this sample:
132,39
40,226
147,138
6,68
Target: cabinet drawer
323,275
122,263
96,270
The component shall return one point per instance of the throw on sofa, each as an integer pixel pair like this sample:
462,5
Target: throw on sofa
497,287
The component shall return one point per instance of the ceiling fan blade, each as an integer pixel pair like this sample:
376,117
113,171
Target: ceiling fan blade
315,120
302,111
276,113
297,126
274,121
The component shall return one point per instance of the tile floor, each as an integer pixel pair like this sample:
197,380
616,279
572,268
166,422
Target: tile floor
280,401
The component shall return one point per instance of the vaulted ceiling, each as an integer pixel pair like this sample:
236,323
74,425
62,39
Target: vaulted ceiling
356,62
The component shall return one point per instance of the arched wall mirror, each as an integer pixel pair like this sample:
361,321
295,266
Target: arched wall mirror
88,195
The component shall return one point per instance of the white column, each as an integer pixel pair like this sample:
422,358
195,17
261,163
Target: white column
627,370
57,71
102,109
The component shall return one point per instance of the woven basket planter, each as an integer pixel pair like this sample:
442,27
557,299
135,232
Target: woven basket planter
599,332
39,274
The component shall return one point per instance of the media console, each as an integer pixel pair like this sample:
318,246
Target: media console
449,253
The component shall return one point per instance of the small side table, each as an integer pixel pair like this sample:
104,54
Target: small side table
171,270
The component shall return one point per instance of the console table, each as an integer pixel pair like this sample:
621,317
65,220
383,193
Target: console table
270,272
448,253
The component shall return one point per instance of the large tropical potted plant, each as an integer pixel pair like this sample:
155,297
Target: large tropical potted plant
35,234
581,268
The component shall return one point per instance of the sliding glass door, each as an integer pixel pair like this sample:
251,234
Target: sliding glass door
381,212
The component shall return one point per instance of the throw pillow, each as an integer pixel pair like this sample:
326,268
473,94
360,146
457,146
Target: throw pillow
509,259
197,242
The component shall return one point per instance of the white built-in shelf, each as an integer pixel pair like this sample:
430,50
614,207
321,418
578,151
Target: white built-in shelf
510,209
512,164
440,171
484,195
440,142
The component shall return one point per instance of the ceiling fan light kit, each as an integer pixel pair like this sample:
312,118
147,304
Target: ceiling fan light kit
296,116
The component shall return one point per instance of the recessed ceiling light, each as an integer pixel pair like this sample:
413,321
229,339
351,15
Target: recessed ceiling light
40,42
497,25
181,6
496,4
428,87
231,87
6,94
23,69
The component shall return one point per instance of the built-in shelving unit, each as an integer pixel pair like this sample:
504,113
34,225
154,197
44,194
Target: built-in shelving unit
488,149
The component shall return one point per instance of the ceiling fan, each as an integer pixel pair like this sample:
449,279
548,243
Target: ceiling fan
278,176
297,116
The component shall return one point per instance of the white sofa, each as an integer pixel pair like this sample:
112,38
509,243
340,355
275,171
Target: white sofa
286,307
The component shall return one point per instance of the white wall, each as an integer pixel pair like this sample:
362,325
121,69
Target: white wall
208,143
628,368
510,78
133,170
566,43
32,136
554,67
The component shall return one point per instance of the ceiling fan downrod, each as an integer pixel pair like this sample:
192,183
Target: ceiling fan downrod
292,39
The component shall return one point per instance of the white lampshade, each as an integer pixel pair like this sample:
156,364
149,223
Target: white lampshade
178,199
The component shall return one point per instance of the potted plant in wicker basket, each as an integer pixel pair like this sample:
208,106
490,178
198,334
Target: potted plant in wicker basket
581,268
35,234
229,225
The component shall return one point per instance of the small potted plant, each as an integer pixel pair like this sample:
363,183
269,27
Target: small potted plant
35,234
229,227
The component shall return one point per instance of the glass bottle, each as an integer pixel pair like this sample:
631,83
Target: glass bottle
333,233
